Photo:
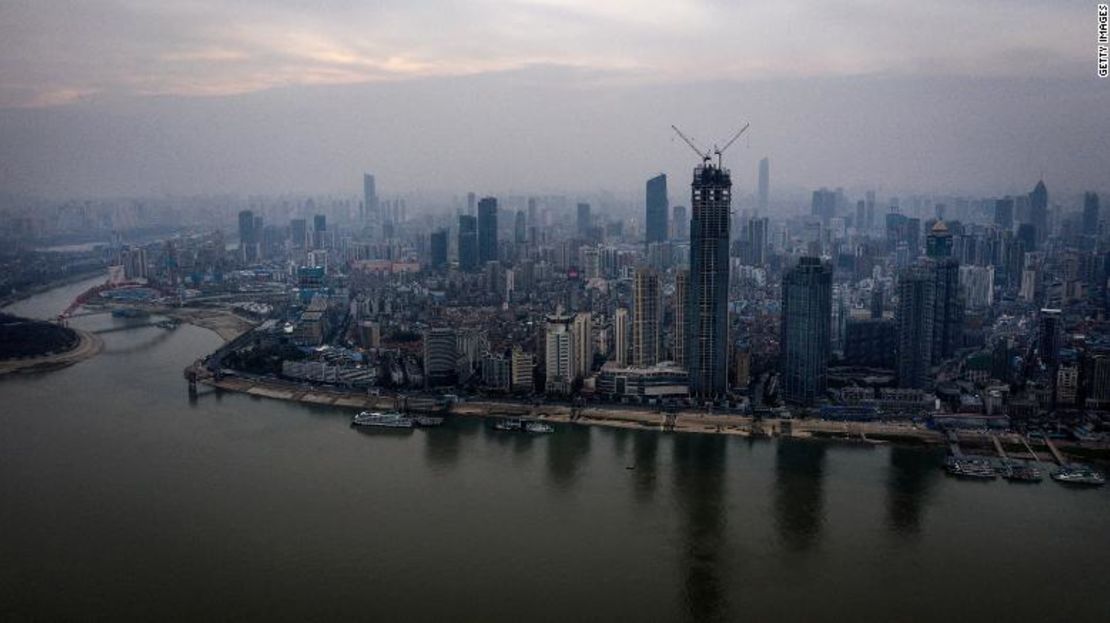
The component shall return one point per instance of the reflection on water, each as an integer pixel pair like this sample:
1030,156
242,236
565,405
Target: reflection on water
441,445
699,466
645,445
566,453
910,480
799,469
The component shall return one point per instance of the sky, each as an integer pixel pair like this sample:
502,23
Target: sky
131,97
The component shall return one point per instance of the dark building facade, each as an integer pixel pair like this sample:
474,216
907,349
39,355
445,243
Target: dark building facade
657,214
915,326
438,248
1038,211
487,230
870,343
707,295
1090,214
806,330
468,243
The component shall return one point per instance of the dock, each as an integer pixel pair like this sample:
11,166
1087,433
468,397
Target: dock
1055,453
998,447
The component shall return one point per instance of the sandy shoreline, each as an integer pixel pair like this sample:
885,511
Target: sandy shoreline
89,345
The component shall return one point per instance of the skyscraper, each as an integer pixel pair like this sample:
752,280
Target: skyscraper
764,184
440,356
438,244
520,228
583,222
947,302
468,242
620,336
1038,211
1004,213
319,226
823,205
806,330
657,209
1090,214
583,336
681,286
645,318
487,230
757,241
707,306
369,199
915,326
247,236
1051,336
559,348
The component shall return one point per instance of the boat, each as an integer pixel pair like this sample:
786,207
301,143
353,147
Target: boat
963,467
426,421
1021,472
508,424
391,419
538,427
1079,475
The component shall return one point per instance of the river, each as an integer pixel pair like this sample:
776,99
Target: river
122,499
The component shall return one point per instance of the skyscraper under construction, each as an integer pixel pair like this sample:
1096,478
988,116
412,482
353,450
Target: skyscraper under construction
707,291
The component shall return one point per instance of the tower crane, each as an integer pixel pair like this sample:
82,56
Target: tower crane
697,150
717,151
732,140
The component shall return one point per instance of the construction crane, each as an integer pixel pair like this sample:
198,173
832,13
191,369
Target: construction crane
697,150
717,151
732,140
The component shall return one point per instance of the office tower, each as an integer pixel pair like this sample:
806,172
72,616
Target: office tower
583,336
977,282
559,350
915,326
823,205
870,209
468,242
657,209
621,333
440,357
1051,336
757,242
805,331
369,199
1038,211
1090,214
861,214
487,230
319,226
764,184
298,232
707,308
646,315
948,308
520,228
438,244
1004,213
470,202
521,373
938,243
583,221
681,224
1027,237
681,286
246,228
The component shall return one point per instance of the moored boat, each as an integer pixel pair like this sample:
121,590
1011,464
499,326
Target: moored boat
391,419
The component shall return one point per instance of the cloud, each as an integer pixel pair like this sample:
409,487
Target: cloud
58,51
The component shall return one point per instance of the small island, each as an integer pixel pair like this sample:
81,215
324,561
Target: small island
28,345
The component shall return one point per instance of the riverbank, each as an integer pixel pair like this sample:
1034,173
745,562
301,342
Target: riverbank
9,299
88,346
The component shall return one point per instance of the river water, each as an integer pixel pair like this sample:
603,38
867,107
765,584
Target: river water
120,499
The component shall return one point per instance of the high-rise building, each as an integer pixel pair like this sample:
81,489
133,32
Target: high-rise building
319,226
823,205
440,356
438,244
757,242
764,185
298,232
582,332
522,364
369,199
915,326
584,222
487,230
646,315
707,306
247,247
471,201
621,333
657,209
680,227
1050,339
520,228
468,242
681,287
559,350
1038,211
1090,214
806,330
1004,213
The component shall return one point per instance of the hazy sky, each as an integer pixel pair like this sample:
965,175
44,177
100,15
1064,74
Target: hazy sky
139,96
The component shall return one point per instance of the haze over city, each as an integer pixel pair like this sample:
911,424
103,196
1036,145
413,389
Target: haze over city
120,98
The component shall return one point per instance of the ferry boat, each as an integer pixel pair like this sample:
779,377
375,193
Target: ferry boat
963,467
539,427
508,424
1021,472
391,419
1080,475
